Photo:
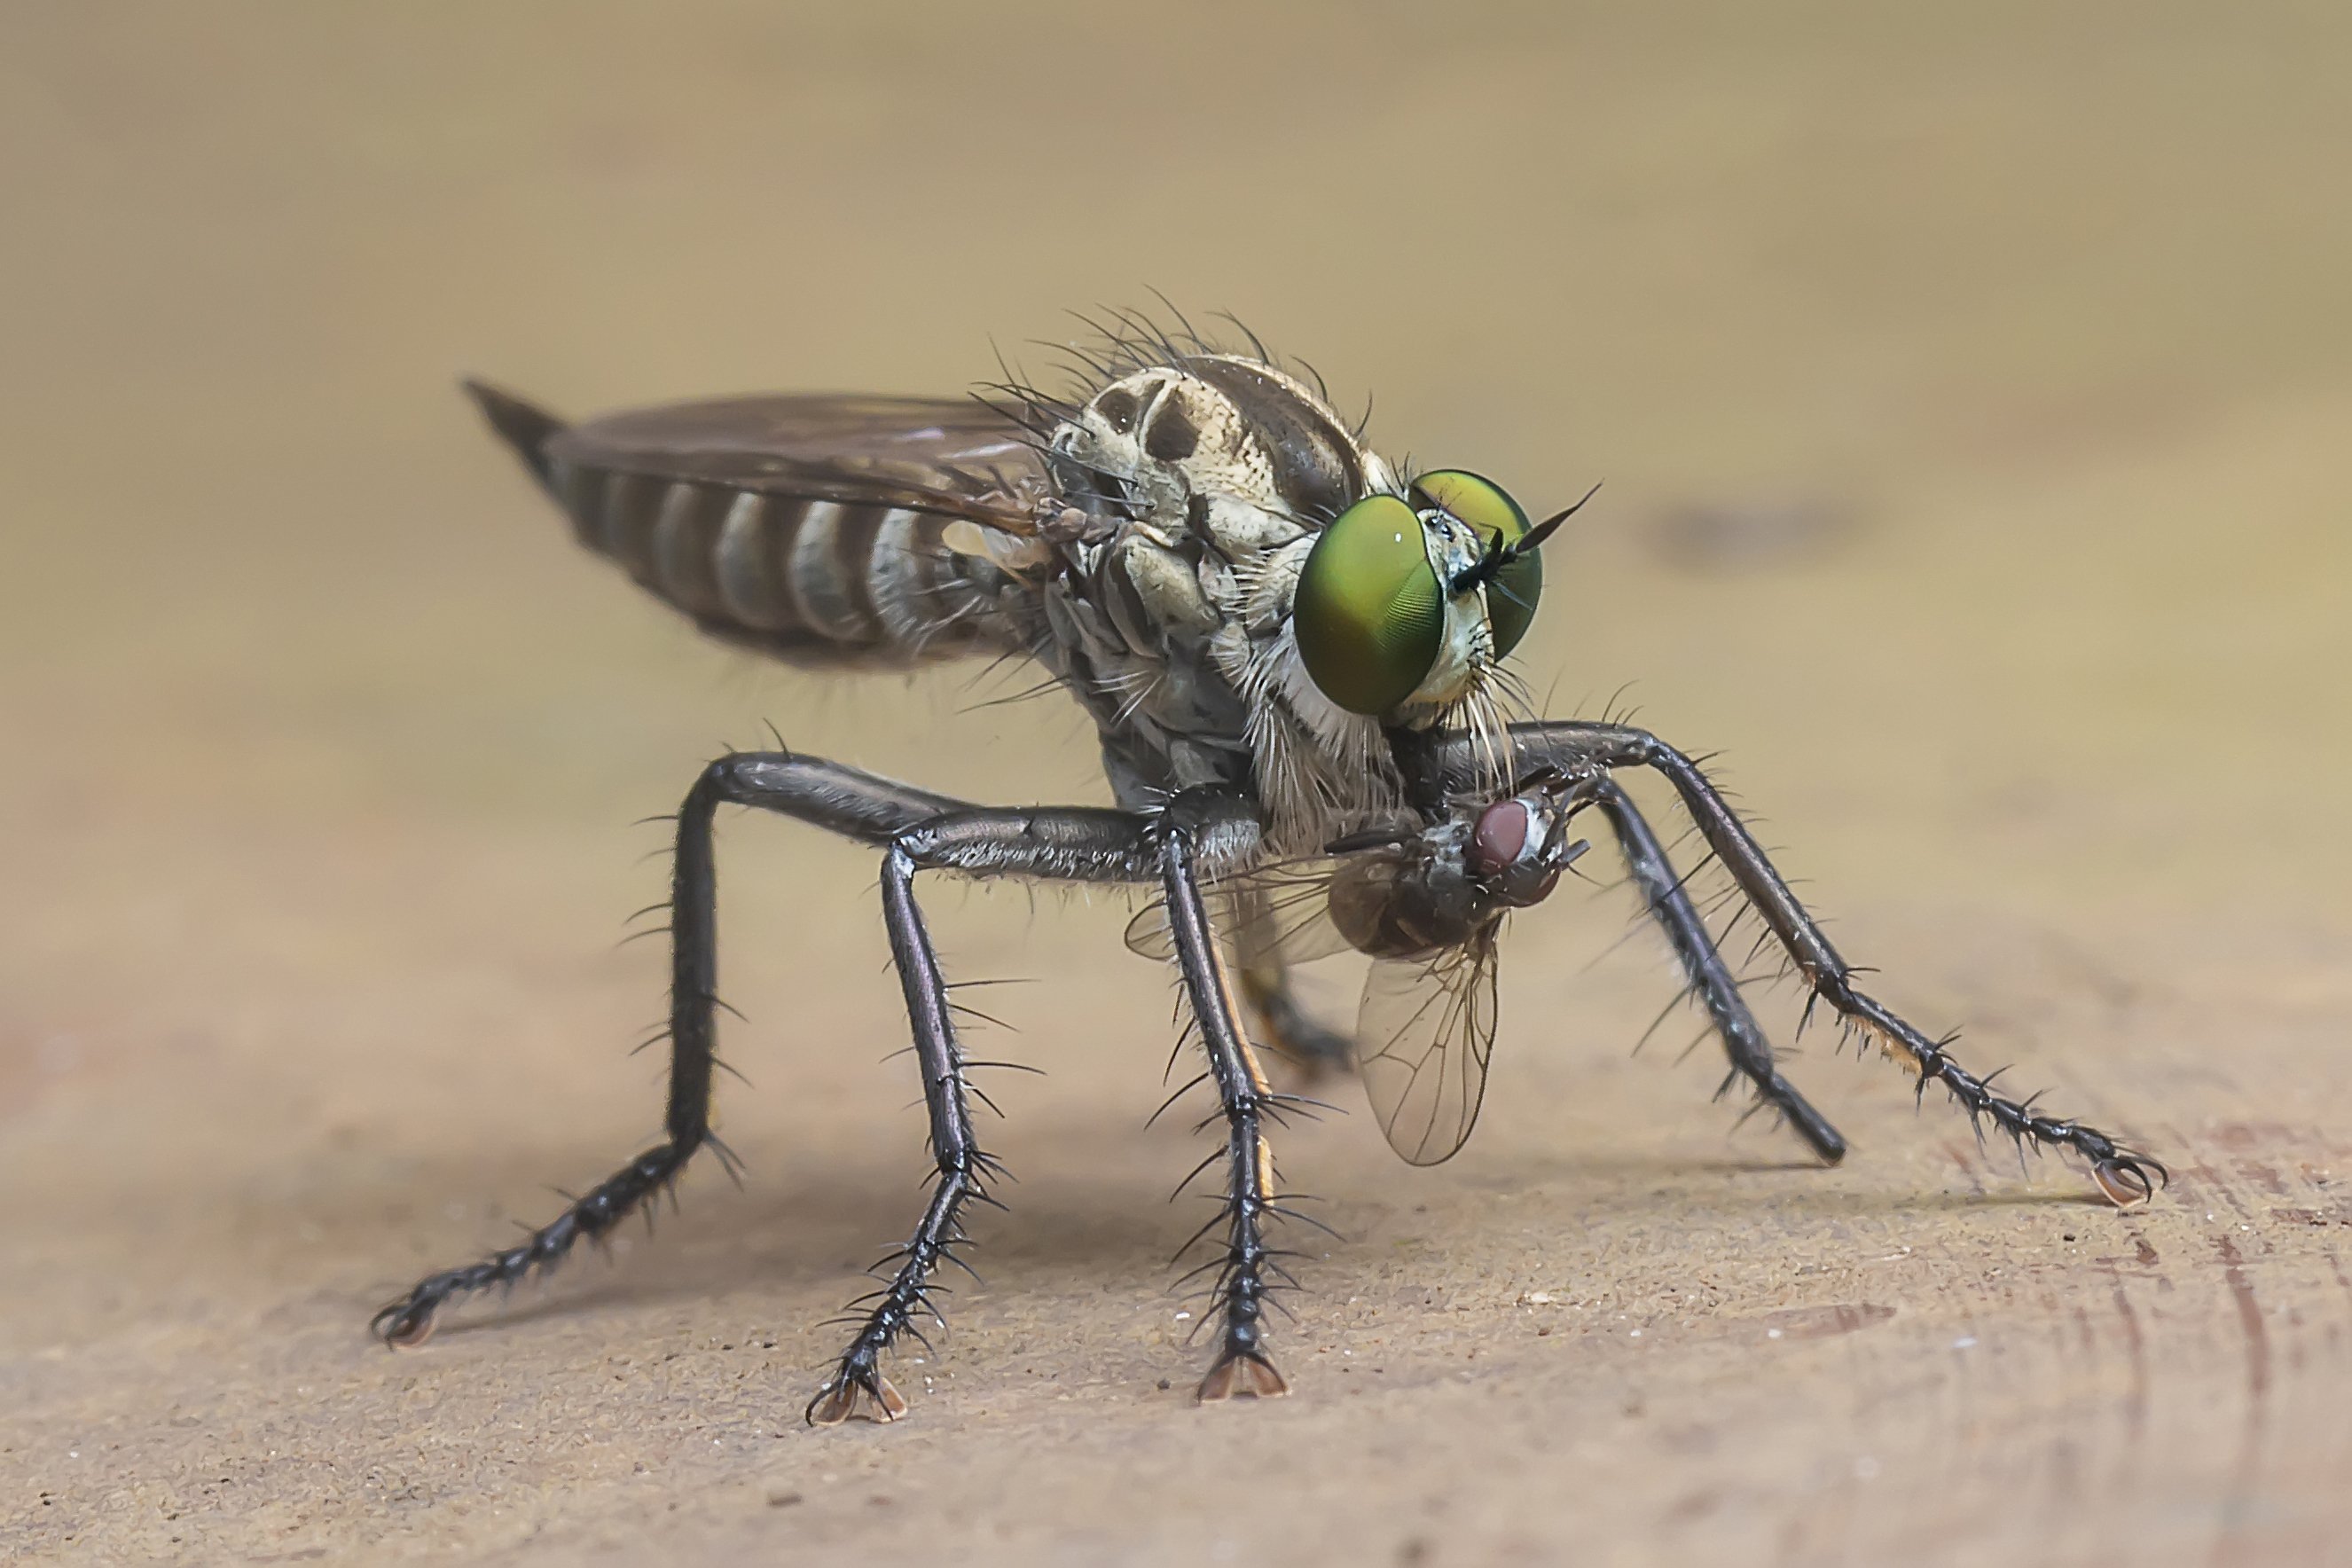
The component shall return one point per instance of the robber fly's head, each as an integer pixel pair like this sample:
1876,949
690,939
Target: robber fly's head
1406,599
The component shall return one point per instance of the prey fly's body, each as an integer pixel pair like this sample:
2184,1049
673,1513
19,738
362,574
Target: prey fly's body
1292,650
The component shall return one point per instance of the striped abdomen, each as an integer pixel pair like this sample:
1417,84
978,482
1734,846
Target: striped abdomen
811,580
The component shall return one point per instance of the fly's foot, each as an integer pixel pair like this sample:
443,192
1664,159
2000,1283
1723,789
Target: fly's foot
1241,1375
2126,1176
1242,1371
2129,1179
406,1323
857,1392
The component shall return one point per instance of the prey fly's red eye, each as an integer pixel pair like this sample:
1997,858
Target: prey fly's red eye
1501,834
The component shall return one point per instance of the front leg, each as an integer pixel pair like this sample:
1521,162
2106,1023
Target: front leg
1063,844
2124,1174
1710,979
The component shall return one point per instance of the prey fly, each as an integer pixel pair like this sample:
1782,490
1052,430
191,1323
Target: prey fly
1293,651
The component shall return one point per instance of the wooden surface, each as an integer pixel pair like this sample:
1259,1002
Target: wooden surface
1972,400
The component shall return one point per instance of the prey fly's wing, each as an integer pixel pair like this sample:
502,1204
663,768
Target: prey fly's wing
1425,1024
1424,1034
959,458
1278,913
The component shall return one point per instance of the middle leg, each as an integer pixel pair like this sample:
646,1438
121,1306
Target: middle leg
1243,1287
1072,843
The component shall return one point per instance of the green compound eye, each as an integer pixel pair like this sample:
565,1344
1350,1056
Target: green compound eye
1487,507
1368,612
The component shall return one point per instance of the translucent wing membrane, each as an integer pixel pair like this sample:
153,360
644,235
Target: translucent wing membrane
1279,913
1424,1034
1425,1024
957,459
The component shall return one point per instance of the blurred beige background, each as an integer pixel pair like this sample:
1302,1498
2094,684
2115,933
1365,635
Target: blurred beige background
1972,386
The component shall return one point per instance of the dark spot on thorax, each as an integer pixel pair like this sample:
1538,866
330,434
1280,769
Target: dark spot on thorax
1172,434
1118,407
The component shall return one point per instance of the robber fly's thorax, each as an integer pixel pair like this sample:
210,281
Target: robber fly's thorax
1214,475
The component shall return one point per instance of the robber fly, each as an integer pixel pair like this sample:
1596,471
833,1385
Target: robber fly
1293,652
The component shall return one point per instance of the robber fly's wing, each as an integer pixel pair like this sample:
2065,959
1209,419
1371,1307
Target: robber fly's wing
1279,913
955,458
1424,1034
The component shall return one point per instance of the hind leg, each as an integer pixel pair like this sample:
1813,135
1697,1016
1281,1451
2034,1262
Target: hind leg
839,799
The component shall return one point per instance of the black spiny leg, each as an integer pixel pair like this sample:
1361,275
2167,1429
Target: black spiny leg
1710,979
1242,1368
842,799
921,831
2124,1174
857,1386
1075,843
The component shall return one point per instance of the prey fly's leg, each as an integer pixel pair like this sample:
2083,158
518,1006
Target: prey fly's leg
1710,979
1076,843
843,800
1189,829
1290,1028
2124,1174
